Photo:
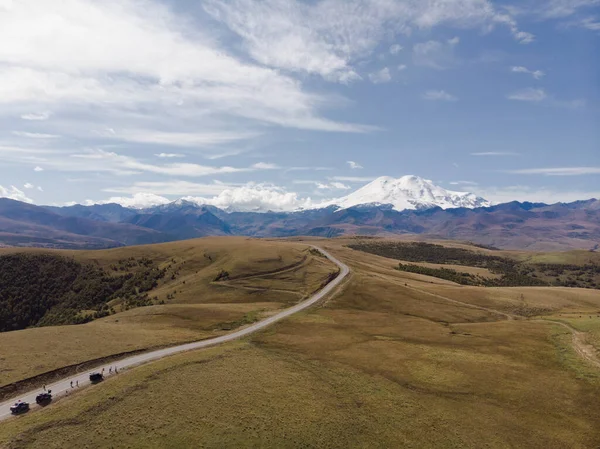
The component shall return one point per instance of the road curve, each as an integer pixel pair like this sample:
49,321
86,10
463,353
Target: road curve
69,385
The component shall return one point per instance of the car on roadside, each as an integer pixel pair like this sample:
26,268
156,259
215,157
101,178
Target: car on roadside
19,407
44,398
96,377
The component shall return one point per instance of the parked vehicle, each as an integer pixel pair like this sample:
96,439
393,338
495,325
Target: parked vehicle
43,398
96,377
19,407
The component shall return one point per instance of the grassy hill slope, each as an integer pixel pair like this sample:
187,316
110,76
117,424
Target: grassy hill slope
395,359
185,305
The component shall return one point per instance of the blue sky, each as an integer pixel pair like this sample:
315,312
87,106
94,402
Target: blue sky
285,103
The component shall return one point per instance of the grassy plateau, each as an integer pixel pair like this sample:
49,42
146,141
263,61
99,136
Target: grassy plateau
392,359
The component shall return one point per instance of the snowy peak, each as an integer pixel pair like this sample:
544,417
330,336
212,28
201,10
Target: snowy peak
408,192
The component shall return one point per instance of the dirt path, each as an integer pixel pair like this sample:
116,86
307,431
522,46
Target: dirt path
586,351
506,315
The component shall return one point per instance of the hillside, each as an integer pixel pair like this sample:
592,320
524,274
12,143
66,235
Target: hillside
47,289
141,297
386,362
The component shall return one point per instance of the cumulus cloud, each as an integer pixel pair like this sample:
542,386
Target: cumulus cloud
137,201
28,185
38,169
354,165
381,76
438,95
537,74
14,193
529,94
250,197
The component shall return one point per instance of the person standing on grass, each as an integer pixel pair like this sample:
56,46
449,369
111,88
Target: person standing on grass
71,384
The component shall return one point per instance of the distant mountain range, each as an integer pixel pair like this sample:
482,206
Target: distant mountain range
512,225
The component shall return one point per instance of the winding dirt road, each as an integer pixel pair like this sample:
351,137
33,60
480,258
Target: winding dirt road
70,385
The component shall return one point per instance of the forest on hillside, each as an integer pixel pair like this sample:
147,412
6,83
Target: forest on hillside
45,289
513,273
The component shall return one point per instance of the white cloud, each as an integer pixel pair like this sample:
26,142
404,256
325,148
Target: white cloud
401,67
169,155
28,185
35,135
454,41
558,171
537,74
137,201
434,54
554,9
328,38
105,161
438,95
548,195
132,55
265,166
180,139
38,169
14,194
395,49
529,94
354,165
176,188
39,116
463,183
590,23
381,76
256,198
352,178
495,153
335,185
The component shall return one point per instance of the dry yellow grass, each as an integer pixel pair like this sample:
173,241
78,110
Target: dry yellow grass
199,309
387,362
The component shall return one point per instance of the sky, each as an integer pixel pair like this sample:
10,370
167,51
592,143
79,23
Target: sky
281,104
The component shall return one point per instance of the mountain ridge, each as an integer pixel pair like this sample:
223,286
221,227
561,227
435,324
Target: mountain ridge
514,225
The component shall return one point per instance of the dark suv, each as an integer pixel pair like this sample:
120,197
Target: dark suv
96,377
19,407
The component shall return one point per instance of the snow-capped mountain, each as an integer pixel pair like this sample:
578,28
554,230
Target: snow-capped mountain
408,192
